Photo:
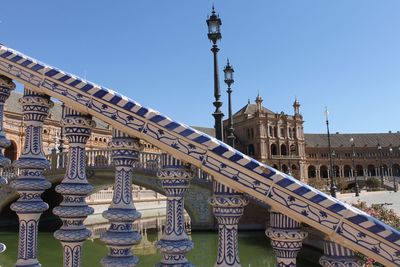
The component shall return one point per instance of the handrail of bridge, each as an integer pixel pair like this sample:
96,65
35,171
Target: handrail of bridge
341,222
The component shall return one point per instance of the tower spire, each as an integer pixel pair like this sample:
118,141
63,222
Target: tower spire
259,101
296,107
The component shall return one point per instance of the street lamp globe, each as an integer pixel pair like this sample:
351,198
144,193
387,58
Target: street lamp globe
228,72
214,27
352,140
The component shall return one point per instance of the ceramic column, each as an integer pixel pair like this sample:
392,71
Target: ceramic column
74,188
30,182
120,236
6,86
228,206
337,255
286,238
175,179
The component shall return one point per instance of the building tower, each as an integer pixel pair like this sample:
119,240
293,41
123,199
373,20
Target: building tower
296,107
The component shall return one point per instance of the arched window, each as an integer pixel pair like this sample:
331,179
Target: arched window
384,169
283,150
324,171
312,173
336,171
371,170
347,171
250,150
282,133
274,150
360,170
293,149
396,170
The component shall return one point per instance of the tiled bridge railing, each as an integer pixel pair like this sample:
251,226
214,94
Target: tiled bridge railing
235,174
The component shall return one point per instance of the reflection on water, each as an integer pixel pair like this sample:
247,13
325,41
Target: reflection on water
255,250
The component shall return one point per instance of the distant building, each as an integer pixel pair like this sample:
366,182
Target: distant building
367,157
14,129
278,140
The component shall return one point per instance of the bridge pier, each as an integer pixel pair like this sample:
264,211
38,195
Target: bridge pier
30,182
228,206
120,236
73,210
286,238
175,178
337,255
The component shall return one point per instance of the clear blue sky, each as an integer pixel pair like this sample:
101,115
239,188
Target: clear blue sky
344,54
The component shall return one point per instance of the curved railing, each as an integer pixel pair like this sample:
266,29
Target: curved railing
340,222
148,162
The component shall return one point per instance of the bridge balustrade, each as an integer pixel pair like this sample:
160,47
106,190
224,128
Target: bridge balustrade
234,176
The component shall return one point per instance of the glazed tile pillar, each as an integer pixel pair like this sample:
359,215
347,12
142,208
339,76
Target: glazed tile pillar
30,182
120,236
74,188
175,180
286,238
6,86
336,255
228,206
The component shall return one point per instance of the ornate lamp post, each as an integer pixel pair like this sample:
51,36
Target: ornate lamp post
333,186
55,138
214,34
391,163
228,71
354,172
61,141
380,162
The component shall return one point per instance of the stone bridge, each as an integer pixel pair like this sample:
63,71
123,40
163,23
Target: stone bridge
235,176
100,173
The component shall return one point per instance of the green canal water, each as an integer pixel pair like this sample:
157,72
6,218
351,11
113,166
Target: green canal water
255,251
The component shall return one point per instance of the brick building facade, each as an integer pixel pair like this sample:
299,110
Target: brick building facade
278,139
